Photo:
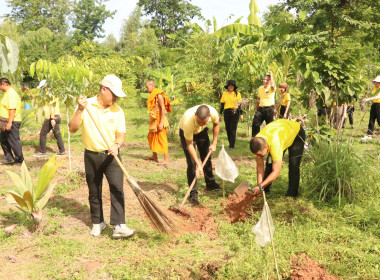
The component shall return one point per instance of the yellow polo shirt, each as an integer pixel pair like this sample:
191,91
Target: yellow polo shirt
230,99
266,96
285,99
55,104
373,92
11,100
279,136
189,125
111,120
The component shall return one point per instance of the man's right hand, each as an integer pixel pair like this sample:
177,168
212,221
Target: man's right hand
199,170
82,103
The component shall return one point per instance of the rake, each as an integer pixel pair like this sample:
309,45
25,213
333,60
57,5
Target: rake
160,217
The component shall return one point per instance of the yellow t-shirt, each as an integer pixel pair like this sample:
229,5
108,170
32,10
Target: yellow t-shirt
230,99
55,104
266,96
11,100
286,98
111,120
189,125
279,136
373,92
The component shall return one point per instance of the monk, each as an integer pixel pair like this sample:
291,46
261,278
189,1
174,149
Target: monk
158,104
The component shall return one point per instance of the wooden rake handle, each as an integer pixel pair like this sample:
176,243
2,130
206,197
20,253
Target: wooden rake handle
108,143
193,183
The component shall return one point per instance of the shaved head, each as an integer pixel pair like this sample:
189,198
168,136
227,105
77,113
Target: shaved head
203,112
150,82
257,144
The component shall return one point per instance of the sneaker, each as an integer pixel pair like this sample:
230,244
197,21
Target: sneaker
122,231
61,154
194,200
212,187
40,155
367,137
97,229
7,161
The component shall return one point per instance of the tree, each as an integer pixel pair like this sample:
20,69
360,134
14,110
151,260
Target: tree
32,15
44,44
169,16
89,17
130,29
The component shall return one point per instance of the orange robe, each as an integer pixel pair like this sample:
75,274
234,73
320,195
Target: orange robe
158,140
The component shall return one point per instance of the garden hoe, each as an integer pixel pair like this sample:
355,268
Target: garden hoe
159,217
179,209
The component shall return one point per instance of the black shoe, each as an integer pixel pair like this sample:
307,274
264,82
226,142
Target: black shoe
7,161
213,187
231,148
194,202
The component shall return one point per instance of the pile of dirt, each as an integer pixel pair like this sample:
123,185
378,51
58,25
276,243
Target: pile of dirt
200,220
236,206
303,267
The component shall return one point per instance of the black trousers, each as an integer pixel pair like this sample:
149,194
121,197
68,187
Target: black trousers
46,127
231,120
97,164
282,112
11,143
350,113
262,114
202,141
295,156
373,116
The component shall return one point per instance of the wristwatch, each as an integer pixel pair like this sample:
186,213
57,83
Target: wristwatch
261,188
118,145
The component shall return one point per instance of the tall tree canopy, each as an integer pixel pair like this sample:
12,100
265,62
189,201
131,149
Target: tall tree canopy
89,17
33,15
169,16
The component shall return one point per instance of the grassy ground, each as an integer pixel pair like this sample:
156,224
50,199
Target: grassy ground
344,239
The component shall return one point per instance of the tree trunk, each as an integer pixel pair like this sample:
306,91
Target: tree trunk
338,116
68,137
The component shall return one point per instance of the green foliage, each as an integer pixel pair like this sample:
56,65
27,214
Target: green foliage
89,17
169,16
335,166
32,197
253,17
44,44
32,15
9,55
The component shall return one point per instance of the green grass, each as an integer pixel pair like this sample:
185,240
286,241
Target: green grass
344,239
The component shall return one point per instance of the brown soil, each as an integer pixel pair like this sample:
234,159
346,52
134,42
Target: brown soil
303,267
236,206
200,220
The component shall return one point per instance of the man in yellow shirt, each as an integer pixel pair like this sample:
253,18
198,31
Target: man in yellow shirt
193,131
265,104
98,159
274,139
10,137
375,107
52,120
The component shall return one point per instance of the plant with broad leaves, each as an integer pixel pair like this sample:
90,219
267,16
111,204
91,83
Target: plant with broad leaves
32,198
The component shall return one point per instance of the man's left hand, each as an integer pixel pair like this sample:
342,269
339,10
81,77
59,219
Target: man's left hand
53,123
114,150
256,191
212,148
8,126
160,127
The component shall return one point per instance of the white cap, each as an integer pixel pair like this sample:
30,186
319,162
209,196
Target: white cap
42,83
114,84
377,80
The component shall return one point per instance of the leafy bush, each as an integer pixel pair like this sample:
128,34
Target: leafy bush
333,170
